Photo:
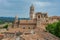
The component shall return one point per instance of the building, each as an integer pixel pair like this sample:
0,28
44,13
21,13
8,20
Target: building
34,28
37,19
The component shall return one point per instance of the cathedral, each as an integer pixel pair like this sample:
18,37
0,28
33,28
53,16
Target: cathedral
37,19
32,29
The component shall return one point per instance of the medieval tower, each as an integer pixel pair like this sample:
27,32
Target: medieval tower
15,23
32,12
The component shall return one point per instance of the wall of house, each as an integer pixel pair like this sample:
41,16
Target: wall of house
22,26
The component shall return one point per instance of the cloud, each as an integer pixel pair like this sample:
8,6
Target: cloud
0,1
42,4
9,5
22,7
4,3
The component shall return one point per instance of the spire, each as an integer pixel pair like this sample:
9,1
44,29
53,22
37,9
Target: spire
32,6
32,12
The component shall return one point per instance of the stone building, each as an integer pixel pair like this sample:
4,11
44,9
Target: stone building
34,28
37,19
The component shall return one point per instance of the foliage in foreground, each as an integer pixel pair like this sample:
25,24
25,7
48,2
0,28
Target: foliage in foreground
54,28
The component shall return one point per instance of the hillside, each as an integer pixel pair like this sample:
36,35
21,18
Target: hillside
9,19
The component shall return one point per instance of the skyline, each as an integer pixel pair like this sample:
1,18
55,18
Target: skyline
10,8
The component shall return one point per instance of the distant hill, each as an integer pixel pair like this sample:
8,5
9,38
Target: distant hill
10,19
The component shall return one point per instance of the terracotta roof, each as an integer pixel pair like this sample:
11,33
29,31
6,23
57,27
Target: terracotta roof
1,35
55,17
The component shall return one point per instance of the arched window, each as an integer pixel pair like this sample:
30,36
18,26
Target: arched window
39,16
28,27
23,27
46,20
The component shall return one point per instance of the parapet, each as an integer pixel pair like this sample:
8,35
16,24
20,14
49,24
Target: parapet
27,22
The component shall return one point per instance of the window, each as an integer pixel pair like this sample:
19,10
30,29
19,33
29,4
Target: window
24,27
28,27
39,16
34,27
46,20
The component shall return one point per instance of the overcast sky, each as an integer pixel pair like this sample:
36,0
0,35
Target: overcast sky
10,8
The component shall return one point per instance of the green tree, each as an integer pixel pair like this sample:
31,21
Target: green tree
1,22
54,28
6,26
57,29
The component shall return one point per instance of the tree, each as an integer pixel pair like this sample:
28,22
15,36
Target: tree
1,22
57,29
6,26
54,28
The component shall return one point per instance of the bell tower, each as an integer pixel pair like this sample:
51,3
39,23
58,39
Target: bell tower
15,23
38,15
32,12
16,18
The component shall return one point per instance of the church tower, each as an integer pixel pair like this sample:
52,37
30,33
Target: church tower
38,16
32,15
16,19
15,23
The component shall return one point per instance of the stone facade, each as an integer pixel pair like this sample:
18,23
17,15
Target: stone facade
37,19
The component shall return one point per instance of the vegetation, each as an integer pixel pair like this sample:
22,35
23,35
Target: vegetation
1,22
6,19
6,26
54,28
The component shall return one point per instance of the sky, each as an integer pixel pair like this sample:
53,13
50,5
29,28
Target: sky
21,8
